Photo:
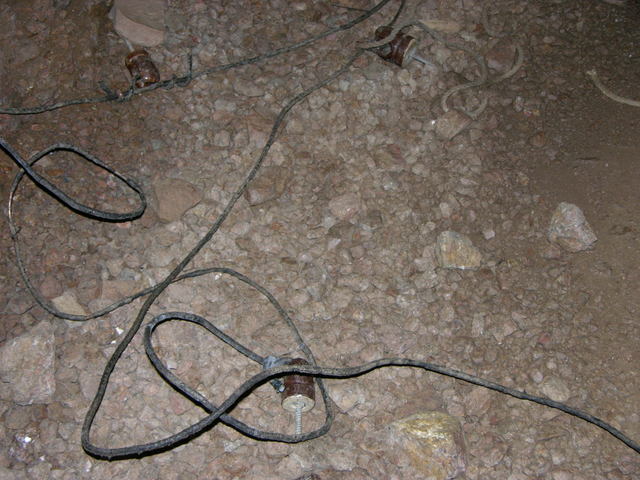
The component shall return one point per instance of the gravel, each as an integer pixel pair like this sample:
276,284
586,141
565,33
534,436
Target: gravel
363,179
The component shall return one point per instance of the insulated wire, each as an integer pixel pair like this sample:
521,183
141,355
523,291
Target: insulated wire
480,81
219,413
350,372
110,366
316,371
258,379
185,79
26,166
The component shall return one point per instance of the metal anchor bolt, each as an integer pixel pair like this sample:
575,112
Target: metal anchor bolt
298,395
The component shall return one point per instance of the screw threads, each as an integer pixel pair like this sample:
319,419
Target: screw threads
298,419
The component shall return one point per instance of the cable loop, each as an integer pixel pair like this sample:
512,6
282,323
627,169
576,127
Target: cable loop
62,197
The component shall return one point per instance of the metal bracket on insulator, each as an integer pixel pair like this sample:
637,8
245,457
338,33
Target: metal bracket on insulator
401,50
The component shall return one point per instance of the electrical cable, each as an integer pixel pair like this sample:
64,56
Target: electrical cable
269,372
108,216
105,216
110,366
480,81
613,96
185,79
62,197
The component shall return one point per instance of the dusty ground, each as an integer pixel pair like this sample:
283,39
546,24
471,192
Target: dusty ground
359,277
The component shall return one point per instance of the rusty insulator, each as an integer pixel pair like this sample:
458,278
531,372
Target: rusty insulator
400,50
141,68
299,394
299,386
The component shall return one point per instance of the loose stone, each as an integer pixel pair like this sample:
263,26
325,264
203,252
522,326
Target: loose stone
433,444
570,229
27,366
269,185
345,206
454,250
174,197
451,124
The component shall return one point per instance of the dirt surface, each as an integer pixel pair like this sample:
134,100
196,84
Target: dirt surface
340,225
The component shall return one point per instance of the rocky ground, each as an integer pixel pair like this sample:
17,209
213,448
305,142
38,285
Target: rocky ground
341,225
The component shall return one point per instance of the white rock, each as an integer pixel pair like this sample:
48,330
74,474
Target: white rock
447,313
569,229
488,233
139,21
246,88
347,395
445,209
451,124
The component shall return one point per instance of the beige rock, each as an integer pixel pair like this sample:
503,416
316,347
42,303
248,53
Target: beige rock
433,443
345,206
270,184
445,26
556,389
174,197
454,250
68,303
140,21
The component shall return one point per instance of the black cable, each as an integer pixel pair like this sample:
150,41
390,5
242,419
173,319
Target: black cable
398,13
62,197
185,79
346,372
318,372
153,295
109,216
220,413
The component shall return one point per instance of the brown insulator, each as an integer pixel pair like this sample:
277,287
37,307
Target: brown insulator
142,69
299,390
399,50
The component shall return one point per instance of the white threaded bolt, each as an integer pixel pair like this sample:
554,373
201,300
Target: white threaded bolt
298,414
